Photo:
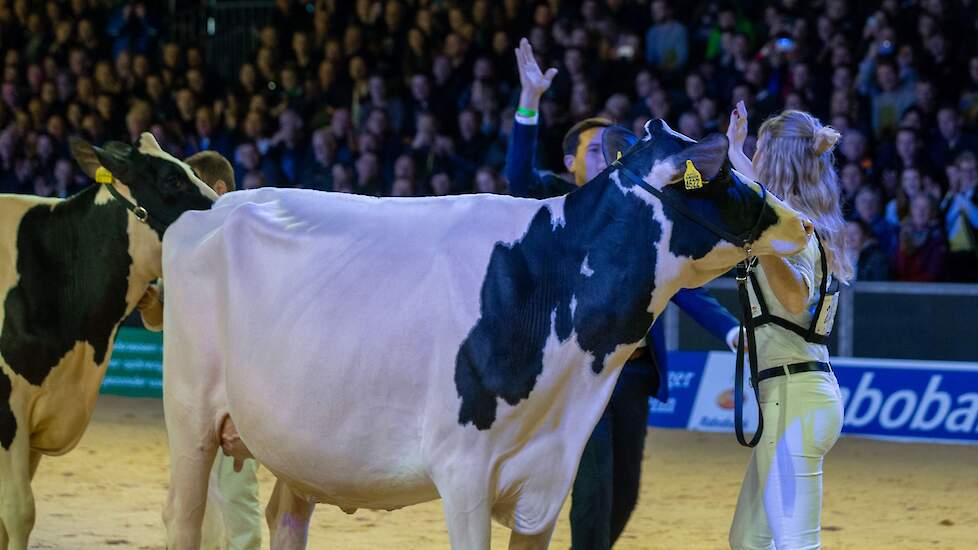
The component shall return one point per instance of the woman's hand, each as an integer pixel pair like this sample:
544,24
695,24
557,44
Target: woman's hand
736,136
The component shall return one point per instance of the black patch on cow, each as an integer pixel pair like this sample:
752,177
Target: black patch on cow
534,280
8,423
73,275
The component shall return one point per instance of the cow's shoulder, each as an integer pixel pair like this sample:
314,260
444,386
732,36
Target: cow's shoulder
72,274
589,271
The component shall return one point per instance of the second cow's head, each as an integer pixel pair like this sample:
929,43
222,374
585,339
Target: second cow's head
726,199
148,176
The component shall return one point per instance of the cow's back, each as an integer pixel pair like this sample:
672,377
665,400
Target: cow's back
305,286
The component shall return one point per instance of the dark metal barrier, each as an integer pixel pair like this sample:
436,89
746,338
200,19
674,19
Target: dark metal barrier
888,320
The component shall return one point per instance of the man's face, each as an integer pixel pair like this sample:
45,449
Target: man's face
968,174
589,160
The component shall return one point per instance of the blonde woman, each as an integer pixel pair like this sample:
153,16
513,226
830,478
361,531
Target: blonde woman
793,304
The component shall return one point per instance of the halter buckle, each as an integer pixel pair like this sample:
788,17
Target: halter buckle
141,214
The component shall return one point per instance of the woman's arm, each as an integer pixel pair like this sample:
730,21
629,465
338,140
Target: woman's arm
787,282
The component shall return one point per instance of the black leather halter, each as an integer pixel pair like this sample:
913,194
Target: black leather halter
744,270
138,211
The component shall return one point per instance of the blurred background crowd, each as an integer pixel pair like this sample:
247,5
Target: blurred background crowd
417,97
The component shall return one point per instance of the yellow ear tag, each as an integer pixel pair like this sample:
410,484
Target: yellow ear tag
692,177
618,157
102,175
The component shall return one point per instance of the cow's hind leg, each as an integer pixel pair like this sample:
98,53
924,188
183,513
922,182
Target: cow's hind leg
193,444
16,497
539,541
288,518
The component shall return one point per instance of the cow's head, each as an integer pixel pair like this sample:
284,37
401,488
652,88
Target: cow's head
726,199
152,178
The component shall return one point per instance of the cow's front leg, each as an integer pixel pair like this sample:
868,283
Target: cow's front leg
468,515
288,517
539,541
193,444
16,497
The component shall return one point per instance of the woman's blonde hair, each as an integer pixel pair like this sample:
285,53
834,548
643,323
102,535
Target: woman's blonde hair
796,163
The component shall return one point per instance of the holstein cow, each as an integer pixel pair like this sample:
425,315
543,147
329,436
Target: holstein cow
378,353
71,271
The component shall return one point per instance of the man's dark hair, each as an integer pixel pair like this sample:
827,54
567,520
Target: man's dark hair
211,167
573,136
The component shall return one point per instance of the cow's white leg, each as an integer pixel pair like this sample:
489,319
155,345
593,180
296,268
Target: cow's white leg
16,497
288,518
193,444
469,520
539,541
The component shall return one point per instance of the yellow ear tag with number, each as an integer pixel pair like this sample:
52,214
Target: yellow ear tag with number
102,175
692,177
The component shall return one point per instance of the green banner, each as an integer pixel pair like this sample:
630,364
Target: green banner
136,367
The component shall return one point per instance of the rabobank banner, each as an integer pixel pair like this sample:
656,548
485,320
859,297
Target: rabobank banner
933,401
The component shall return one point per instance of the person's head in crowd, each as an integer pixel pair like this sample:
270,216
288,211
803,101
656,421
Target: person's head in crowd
358,70
340,123
659,105
323,146
254,179
854,145
441,183
851,179
265,63
352,39
840,103
137,120
912,118
333,51
301,46
923,211
246,156
794,102
487,181
967,172
617,107
368,169
645,84
690,125
196,82
186,103
404,168
468,125
402,187
367,142
204,121
441,70
268,37
377,89
695,87
172,56
907,144
342,179
417,42
326,75
56,128
253,126
64,173
420,88
859,235
887,77
842,78
247,77
574,63
214,170
140,66
949,123
869,204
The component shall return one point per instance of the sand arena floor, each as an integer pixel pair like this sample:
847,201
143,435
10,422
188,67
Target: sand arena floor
108,493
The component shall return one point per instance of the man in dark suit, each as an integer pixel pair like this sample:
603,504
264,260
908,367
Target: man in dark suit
606,488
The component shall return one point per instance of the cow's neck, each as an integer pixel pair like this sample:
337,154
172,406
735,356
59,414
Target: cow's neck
144,248
613,239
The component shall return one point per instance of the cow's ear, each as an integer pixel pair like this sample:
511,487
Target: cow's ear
85,156
698,164
148,144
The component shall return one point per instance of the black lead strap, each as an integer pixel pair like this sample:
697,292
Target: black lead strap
138,211
744,270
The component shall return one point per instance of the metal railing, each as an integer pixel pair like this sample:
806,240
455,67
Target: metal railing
875,319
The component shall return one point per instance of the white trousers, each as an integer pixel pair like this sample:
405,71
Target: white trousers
233,515
780,504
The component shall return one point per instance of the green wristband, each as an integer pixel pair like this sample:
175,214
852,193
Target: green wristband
523,111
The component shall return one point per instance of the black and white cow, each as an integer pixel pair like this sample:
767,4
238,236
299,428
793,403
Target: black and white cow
379,353
70,272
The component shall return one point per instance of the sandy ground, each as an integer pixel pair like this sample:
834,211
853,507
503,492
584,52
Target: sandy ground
108,493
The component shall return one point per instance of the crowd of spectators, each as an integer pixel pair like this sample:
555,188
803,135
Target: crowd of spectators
417,97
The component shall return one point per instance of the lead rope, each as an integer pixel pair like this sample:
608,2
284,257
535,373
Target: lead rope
744,270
